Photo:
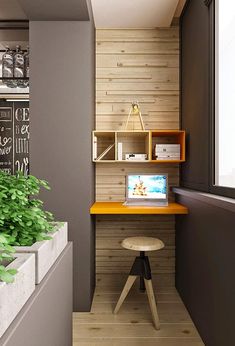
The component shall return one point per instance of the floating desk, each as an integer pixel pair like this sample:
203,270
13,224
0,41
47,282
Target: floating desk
118,208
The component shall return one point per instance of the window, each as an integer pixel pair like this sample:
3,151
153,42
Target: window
224,175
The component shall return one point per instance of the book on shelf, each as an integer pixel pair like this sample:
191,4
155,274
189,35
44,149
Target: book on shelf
168,157
94,148
167,148
119,151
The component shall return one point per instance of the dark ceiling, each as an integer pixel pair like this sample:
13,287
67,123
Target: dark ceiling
52,10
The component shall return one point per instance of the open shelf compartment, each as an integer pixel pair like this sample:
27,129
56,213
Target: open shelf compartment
104,148
168,137
133,142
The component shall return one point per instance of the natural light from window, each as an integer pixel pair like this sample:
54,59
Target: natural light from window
225,94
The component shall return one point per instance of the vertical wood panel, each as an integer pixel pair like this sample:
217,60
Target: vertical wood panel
133,65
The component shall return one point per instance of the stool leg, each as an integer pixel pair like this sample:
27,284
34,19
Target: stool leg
126,289
142,285
152,303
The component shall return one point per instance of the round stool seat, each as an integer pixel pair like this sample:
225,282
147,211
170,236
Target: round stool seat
142,244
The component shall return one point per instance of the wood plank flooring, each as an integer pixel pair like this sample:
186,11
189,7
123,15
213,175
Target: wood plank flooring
132,326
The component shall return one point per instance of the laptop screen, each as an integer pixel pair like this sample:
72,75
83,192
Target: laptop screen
147,186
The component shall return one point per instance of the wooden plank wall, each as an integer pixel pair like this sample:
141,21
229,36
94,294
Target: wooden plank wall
132,65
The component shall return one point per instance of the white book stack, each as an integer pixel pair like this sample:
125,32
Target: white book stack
167,151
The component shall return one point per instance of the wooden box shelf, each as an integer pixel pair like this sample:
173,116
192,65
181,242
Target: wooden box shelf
168,137
135,142
105,144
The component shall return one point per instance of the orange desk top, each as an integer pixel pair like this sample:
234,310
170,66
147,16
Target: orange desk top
119,208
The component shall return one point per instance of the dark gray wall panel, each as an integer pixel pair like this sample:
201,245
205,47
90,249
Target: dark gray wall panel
62,117
205,260
195,65
205,238
55,9
46,318
11,10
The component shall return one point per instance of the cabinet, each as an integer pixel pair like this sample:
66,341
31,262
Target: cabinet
106,145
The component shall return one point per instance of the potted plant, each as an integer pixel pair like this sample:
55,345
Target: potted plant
30,242
25,225
18,274
18,270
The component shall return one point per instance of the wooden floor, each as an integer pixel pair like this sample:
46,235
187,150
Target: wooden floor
133,325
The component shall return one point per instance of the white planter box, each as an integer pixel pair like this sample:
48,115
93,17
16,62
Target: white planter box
47,251
13,296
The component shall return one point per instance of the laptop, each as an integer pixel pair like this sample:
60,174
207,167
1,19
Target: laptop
147,189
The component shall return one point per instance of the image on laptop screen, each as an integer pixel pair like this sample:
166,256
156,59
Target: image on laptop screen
147,186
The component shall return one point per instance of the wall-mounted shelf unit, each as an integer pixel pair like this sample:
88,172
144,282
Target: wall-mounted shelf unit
107,147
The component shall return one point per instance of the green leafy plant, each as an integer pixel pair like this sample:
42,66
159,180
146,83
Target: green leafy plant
6,253
22,218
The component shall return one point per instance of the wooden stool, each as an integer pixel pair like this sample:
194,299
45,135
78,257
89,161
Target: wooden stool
141,268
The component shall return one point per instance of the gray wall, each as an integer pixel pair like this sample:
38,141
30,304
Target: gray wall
55,9
205,260
195,100
62,118
205,238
